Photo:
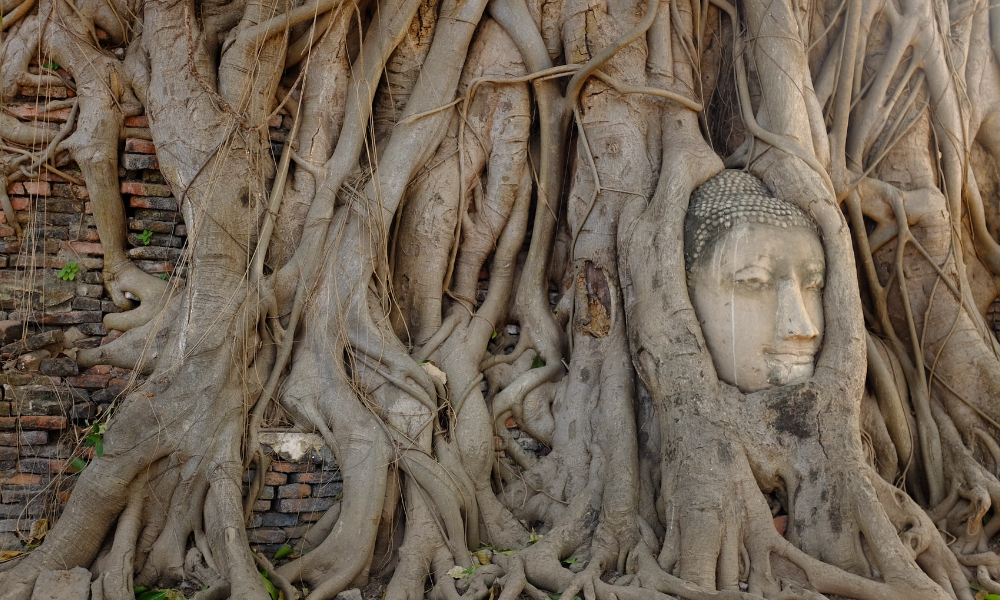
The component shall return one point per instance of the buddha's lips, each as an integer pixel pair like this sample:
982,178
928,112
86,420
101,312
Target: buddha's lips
805,357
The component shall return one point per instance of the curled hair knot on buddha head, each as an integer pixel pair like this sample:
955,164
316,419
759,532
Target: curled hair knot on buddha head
729,199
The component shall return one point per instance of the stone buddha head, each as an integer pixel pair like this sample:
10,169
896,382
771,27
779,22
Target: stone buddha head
756,271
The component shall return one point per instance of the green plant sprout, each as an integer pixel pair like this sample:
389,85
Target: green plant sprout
145,237
96,439
68,272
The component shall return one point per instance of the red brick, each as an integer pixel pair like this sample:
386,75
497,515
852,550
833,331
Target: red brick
89,381
780,523
262,506
6,231
271,478
139,188
73,317
140,121
153,203
40,422
8,422
23,479
35,188
315,477
267,535
294,490
49,91
140,146
31,112
19,203
23,438
100,369
84,247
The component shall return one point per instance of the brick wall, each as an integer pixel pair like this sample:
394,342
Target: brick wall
47,404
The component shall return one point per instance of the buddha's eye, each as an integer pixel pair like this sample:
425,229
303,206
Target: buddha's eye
753,278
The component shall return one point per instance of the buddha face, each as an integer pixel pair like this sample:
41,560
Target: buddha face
758,293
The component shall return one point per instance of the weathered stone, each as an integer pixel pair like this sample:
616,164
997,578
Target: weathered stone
34,342
278,520
266,535
334,489
73,317
82,303
351,594
294,505
62,585
32,361
11,331
137,162
89,290
153,202
148,214
71,335
23,438
63,366
91,329
44,400
291,446
154,253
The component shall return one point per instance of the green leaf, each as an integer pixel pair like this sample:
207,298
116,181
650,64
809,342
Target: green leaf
282,552
153,595
570,561
139,589
99,449
77,464
68,272
145,237
991,597
164,276
494,336
537,362
51,65
268,585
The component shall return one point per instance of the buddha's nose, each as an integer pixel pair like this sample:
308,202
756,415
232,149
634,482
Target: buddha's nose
793,322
